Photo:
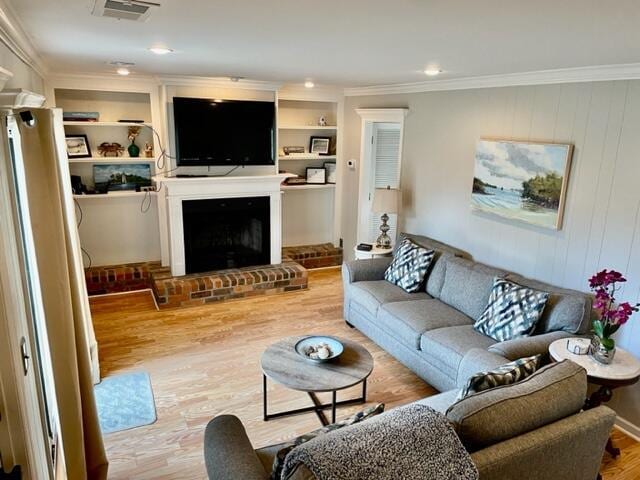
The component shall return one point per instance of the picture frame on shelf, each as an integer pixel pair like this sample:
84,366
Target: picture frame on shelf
78,146
115,176
316,175
319,145
331,169
289,150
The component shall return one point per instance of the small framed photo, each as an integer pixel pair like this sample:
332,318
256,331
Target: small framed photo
316,175
330,167
292,150
78,146
319,145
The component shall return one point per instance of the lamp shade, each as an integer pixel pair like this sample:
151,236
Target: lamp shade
386,200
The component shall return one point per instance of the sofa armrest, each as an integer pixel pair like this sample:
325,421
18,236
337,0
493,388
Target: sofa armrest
477,360
228,453
365,270
527,346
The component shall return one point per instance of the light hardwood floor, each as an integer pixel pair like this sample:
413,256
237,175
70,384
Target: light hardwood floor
205,361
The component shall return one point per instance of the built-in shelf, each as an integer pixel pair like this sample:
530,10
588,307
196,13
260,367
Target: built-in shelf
112,160
307,157
112,195
309,187
105,124
307,127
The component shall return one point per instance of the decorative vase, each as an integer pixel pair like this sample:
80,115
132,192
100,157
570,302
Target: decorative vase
599,353
133,149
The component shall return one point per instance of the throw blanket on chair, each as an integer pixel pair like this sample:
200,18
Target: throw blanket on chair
411,442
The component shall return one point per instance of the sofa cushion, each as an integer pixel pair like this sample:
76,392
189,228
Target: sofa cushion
372,294
567,310
409,266
467,285
437,269
447,346
512,311
552,393
407,321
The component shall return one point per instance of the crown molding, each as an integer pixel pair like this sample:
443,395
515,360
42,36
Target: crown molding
219,82
13,35
628,71
108,81
319,93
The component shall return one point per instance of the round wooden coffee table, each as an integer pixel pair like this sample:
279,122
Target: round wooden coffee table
283,365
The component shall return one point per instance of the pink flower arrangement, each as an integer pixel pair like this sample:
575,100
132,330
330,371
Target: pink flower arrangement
612,316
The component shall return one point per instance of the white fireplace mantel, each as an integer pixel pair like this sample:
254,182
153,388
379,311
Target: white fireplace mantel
177,189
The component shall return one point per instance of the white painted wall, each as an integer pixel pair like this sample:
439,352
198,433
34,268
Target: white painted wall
602,218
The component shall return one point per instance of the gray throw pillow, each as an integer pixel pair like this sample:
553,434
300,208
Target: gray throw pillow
409,266
281,454
512,311
507,374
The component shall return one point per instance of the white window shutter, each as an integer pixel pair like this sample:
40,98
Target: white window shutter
386,171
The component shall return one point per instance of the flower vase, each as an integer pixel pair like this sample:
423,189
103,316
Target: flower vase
599,353
134,150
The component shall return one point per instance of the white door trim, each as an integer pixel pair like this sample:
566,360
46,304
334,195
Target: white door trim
369,117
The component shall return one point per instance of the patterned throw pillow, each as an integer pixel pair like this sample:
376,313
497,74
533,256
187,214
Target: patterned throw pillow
278,460
513,311
409,266
507,374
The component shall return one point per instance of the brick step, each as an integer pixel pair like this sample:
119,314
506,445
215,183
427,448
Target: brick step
221,285
119,278
314,256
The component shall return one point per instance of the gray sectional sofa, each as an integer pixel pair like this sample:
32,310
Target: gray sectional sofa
431,331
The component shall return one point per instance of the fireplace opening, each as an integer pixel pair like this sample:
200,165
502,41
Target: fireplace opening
226,233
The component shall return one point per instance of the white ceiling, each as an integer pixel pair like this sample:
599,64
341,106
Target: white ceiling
347,42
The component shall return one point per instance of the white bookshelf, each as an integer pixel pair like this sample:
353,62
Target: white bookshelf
310,215
120,226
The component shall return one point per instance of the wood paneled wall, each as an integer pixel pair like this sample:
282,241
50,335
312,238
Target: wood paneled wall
602,217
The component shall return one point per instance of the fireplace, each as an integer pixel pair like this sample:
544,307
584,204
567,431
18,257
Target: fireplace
178,193
222,233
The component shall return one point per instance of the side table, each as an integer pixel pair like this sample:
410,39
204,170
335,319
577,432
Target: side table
623,371
375,252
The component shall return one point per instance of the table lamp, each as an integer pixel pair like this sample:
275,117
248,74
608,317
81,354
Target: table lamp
385,201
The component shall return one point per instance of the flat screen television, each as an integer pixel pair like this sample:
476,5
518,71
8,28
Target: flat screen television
224,132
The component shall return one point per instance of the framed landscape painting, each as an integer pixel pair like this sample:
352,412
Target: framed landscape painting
522,181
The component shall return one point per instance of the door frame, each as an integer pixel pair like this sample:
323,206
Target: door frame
23,433
369,117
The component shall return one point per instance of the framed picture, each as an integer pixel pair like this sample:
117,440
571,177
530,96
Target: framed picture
292,150
316,175
319,145
330,167
78,146
114,176
522,181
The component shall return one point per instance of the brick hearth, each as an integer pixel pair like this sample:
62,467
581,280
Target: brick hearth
201,288
314,256
198,289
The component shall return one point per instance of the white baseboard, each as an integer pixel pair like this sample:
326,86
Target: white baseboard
628,428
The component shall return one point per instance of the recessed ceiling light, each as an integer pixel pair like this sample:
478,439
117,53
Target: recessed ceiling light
309,84
160,50
432,71
236,79
123,71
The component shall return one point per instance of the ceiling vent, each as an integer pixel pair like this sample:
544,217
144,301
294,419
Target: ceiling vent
136,10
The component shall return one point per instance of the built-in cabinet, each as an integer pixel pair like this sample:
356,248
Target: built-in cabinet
118,227
129,226
309,211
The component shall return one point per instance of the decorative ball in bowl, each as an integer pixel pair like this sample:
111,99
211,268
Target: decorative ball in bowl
319,348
